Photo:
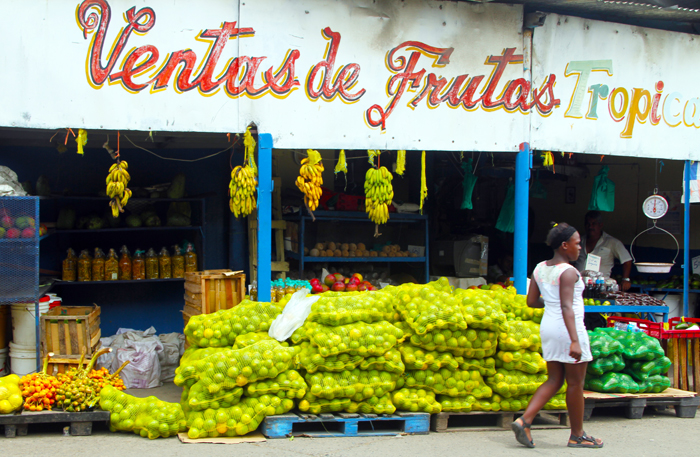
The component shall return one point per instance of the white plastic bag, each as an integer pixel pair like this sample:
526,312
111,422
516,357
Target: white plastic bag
293,316
143,371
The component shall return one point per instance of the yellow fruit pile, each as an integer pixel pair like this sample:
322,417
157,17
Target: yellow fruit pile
10,395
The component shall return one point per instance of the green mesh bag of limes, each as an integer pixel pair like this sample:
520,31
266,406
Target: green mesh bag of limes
602,365
417,358
521,360
635,345
602,344
426,307
454,383
521,335
516,309
355,384
640,370
312,361
221,328
186,374
480,310
239,419
456,404
611,382
249,339
148,417
373,405
315,405
415,400
485,366
470,343
335,308
359,338
289,384
515,383
199,398
654,384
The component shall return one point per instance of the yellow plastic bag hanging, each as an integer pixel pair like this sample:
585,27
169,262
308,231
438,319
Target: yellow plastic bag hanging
249,143
400,162
81,139
314,156
342,164
423,185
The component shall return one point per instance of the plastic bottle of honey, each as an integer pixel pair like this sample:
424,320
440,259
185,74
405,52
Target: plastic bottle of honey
84,266
70,266
151,264
178,262
190,259
125,265
98,265
165,270
138,266
111,266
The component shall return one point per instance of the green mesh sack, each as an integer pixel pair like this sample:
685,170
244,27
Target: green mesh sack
480,310
487,404
417,358
415,400
506,217
404,327
315,405
453,383
516,383
237,420
602,344
289,384
249,339
301,334
470,343
637,345
515,307
148,417
655,384
185,374
237,367
390,361
522,360
619,383
557,402
500,403
602,365
456,404
373,405
486,367
359,338
355,384
640,370
426,308
521,335
184,400
221,328
468,184
199,397
312,361
342,308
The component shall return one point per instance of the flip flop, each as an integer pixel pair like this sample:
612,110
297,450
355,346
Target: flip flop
520,434
582,440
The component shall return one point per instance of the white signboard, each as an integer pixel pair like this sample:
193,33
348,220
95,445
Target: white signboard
592,262
395,74
622,90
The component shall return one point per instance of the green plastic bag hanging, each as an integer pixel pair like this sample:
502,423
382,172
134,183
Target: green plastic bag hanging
603,194
506,218
468,183
538,190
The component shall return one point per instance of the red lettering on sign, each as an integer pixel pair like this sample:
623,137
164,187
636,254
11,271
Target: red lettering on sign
346,77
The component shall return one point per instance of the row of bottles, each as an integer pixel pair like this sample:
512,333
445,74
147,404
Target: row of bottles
143,265
279,288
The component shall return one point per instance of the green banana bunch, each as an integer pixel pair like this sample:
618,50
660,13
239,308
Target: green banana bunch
242,191
379,193
117,180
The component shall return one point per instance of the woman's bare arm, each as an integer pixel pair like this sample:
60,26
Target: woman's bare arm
567,282
534,300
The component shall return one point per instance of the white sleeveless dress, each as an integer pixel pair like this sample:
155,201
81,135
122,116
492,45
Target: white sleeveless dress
555,337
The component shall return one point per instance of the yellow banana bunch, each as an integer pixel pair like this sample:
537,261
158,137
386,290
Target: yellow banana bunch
242,191
309,181
117,180
378,193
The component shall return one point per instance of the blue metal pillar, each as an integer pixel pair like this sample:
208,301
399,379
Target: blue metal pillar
265,185
523,163
686,237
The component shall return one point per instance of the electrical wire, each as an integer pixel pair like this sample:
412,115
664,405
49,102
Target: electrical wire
182,160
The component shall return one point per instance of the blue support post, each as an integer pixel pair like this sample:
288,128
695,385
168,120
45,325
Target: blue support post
523,162
265,184
686,237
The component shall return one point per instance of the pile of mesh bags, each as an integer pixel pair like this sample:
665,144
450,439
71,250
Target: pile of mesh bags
626,362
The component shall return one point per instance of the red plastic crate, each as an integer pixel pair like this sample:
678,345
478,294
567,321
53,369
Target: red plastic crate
681,333
653,329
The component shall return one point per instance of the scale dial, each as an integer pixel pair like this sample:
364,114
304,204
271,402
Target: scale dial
655,207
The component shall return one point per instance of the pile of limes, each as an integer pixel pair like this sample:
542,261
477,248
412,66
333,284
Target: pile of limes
315,405
359,338
199,398
342,308
486,366
417,358
453,383
289,384
480,310
468,343
373,405
456,404
516,383
416,400
522,360
425,308
520,335
355,384
186,374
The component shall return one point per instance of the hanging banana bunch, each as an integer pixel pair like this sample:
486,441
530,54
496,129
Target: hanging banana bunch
378,193
117,181
244,181
310,179
400,162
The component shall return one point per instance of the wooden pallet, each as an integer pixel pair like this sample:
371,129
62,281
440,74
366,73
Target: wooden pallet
480,421
345,425
685,403
80,423
278,227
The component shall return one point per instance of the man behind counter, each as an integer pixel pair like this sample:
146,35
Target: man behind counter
604,246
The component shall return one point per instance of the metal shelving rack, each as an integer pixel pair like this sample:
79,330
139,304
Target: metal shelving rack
356,216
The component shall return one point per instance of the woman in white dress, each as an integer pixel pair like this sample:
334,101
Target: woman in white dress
557,286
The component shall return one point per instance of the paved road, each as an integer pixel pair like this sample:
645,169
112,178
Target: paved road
658,433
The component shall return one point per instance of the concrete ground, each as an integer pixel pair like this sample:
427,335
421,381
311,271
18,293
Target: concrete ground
657,433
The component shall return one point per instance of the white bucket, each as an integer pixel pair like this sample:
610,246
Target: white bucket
24,323
674,303
22,359
3,362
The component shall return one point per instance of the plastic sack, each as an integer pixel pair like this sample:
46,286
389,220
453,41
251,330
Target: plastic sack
342,308
417,358
358,338
557,402
521,335
655,384
186,374
289,384
199,398
314,405
249,339
603,193
453,383
221,328
143,370
506,218
469,343
294,314
602,365
486,366
237,420
416,400
636,345
602,344
9,186
516,383
426,308
355,384
521,360
515,306
480,310
373,405
148,417
456,404
620,383
10,394
641,370
468,184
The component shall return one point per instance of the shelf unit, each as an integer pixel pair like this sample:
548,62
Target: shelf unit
303,218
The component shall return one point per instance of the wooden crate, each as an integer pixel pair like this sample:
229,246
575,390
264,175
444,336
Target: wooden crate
61,365
69,331
209,291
